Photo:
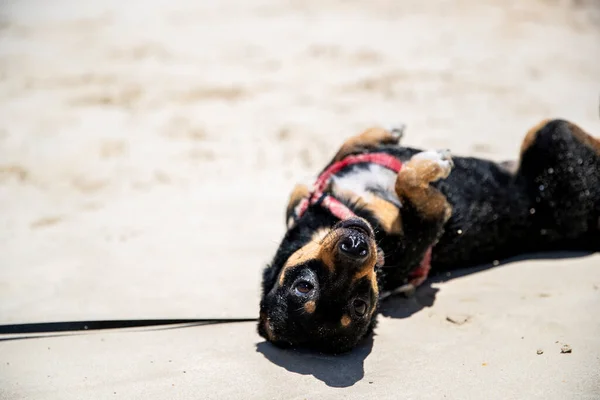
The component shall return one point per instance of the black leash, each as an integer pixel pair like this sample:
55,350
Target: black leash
76,326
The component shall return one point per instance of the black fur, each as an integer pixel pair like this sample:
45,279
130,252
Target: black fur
551,202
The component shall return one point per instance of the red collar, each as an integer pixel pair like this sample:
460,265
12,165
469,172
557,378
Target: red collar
341,211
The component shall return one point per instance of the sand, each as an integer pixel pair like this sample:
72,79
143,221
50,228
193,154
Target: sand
147,149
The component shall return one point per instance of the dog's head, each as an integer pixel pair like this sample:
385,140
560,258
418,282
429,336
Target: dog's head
321,289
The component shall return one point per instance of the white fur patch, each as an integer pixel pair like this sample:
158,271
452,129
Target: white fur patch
363,181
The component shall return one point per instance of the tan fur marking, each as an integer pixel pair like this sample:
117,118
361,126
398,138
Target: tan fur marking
319,235
267,326
317,248
327,239
348,195
369,272
327,256
368,139
531,135
345,321
270,334
585,138
368,267
310,307
302,255
413,185
387,214
308,252
299,192
375,288
421,172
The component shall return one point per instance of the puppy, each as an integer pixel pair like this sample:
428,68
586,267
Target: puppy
380,216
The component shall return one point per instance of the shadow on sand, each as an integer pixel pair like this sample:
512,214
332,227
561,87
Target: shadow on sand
340,370
403,307
346,369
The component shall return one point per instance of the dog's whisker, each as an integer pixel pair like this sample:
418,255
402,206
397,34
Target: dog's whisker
301,310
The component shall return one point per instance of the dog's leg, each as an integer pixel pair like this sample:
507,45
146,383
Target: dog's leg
425,210
550,127
299,192
413,189
560,167
369,139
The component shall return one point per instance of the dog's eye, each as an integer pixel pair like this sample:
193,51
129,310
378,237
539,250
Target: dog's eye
304,287
360,307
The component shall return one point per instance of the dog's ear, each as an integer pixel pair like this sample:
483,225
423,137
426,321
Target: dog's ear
299,192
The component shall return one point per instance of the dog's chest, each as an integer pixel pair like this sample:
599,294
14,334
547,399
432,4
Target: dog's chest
366,181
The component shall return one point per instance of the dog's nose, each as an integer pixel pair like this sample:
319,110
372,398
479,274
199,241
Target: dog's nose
354,246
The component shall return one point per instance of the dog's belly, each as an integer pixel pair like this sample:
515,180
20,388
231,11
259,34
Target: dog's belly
366,181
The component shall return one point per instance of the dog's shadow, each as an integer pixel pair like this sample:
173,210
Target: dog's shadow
346,369
340,370
424,296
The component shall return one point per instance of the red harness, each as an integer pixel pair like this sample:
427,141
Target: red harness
341,211
336,207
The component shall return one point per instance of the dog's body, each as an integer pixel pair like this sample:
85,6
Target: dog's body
322,288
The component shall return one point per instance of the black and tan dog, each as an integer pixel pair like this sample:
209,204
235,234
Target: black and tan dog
381,214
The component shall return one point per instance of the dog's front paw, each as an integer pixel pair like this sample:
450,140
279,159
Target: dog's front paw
396,132
439,161
370,139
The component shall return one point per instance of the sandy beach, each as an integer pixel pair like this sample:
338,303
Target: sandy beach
147,149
